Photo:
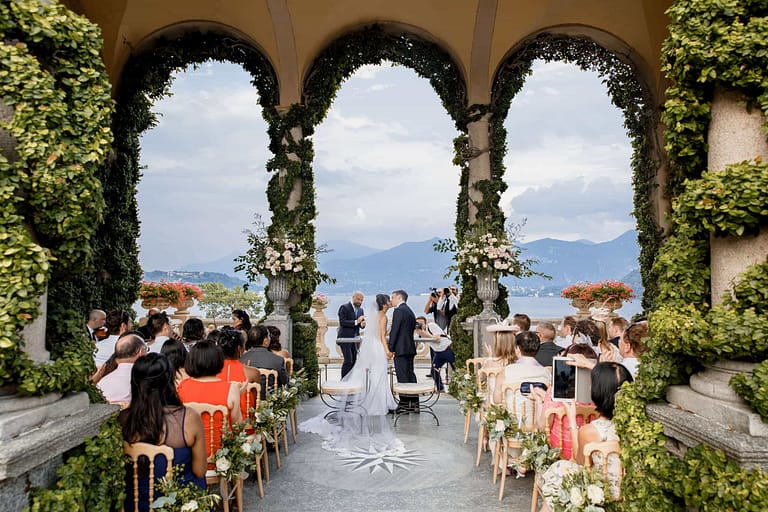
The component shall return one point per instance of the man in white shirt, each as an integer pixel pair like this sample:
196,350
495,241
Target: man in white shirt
440,349
159,327
526,368
116,386
117,323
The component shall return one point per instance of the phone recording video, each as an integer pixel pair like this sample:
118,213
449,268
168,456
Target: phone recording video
563,380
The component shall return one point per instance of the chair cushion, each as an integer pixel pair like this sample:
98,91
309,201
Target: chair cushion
335,387
414,388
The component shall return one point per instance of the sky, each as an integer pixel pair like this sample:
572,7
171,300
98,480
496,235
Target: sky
383,171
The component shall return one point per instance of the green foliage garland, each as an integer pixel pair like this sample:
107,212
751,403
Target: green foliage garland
91,480
712,43
52,77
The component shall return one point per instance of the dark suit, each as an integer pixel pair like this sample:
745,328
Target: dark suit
402,345
348,328
547,351
260,357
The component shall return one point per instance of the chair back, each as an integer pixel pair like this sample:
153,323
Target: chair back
218,418
252,397
289,365
487,379
519,406
266,373
474,364
605,456
150,451
586,412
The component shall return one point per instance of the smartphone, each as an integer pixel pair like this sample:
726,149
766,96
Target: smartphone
563,380
526,387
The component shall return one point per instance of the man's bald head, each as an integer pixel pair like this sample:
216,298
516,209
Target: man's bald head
129,346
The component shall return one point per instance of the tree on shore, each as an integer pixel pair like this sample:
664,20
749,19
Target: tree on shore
219,301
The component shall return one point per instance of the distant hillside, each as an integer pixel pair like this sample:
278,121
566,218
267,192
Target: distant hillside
344,250
193,277
223,265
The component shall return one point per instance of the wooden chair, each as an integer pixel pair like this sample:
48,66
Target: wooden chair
219,419
150,451
587,412
280,430
472,366
608,450
525,411
253,398
293,416
486,382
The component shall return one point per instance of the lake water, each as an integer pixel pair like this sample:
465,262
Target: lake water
535,307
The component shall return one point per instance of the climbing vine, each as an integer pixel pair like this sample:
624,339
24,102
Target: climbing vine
711,44
57,111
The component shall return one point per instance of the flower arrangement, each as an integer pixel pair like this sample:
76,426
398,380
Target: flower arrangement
500,423
464,387
237,452
537,453
320,300
175,292
178,497
488,253
580,490
598,292
264,420
282,256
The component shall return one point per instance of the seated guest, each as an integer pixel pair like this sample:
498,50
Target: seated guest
616,326
523,321
116,385
504,350
274,342
117,323
586,332
608,352
231,344
204,362
632,345
159,327
607,379
441,351
241,320
547,348
176,353
192,332
157,416
554,433
526,368
567,327
259,356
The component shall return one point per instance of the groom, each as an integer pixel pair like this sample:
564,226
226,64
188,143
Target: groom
402,345
351,320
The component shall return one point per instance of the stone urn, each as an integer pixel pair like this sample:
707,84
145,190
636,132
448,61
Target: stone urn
322,327
487,292
182,308
160,303
582,306
279,293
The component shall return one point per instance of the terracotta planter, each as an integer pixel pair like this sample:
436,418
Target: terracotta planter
181,308
582,306
160,303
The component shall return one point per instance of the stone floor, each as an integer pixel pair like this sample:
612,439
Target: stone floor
438,473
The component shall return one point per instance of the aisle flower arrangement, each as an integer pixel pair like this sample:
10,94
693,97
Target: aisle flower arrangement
582,490
176,293
237,452
598,292
264,420
500,423
178,497
463,386
537,454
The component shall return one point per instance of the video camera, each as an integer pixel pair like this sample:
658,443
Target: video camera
433,292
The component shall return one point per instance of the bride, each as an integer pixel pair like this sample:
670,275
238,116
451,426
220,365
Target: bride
365,426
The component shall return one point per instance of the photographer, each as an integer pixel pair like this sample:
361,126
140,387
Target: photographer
440,350
442,305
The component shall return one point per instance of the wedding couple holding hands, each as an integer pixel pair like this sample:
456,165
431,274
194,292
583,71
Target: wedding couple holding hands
380,342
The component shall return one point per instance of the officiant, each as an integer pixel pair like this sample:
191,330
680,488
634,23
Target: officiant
351,320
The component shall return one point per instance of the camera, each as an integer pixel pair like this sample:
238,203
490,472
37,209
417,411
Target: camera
525,387
433,292
419,326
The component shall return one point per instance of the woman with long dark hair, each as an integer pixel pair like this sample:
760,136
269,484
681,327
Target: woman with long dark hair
157,416
241,320
176,353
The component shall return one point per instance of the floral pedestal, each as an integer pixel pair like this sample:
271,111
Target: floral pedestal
488,292
278,293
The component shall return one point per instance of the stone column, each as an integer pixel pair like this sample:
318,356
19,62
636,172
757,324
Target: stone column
322,328
734,135
479,161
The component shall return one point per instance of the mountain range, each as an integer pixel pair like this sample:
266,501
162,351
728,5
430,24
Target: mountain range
417,267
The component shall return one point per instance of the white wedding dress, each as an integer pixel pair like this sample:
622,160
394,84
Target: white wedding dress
366,426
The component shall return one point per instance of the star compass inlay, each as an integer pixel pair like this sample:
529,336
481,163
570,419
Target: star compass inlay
374,460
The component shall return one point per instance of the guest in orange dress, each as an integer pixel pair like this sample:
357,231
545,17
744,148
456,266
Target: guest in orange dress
232,346
204,362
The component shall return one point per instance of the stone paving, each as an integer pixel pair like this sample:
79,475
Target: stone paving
438,473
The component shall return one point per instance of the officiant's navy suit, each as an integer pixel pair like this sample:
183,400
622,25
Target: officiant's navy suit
348,328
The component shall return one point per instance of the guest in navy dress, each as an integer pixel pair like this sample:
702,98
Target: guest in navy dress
157,416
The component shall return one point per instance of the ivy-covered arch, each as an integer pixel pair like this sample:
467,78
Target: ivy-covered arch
145,78
628,92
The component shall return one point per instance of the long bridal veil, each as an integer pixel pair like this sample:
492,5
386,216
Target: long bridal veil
361,423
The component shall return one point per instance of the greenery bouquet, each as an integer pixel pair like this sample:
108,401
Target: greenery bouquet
237,452
178,497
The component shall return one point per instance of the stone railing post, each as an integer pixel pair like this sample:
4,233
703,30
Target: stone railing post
322,328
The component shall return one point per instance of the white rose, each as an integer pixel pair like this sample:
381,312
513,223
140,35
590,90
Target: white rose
222,465
577,499
595,494
246,447
189,506
500,426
